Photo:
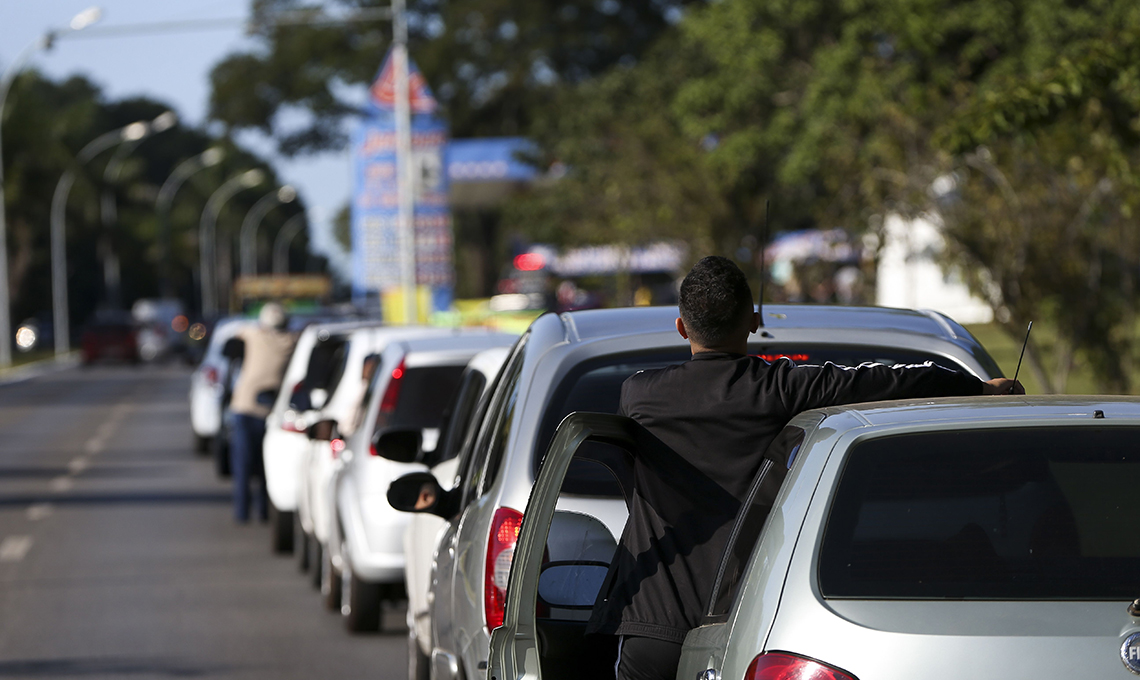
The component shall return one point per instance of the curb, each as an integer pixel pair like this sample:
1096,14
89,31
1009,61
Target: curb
37,368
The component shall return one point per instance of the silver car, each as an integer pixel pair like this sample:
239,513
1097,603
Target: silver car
577,362
980,537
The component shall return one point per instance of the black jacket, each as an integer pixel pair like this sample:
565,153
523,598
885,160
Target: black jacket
710,421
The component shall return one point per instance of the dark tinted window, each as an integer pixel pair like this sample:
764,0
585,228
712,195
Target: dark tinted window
1042,513
459,414
326,366
595,386
848,356
424,394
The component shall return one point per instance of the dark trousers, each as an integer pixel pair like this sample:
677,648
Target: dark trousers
641,658
246,464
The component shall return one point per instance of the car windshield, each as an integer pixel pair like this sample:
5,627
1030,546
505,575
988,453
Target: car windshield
1014,514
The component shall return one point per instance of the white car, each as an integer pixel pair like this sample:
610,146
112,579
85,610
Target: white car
207,383
310,376
577,362
412,387
342,405
424,530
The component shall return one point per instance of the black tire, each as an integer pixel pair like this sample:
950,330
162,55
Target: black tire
280,530
316,564
202,444
221,446
301,545
419,664
360,604
330,582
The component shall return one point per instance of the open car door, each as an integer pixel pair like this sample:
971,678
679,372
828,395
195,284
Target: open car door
535,646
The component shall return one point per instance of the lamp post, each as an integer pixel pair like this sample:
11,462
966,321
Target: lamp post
208,158
78,23
285,239
247,238
405,173
128,133
207,233
109,211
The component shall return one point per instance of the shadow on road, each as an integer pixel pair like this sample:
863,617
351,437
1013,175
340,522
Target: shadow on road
106,666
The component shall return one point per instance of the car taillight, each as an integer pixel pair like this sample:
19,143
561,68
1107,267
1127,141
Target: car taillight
784,666
500,554
392,393
211,375
336,446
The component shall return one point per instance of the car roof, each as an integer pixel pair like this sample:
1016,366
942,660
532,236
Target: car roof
467,339
595,323
1032,409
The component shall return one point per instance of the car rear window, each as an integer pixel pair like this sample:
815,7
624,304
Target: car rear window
424,394
1008,514
849,355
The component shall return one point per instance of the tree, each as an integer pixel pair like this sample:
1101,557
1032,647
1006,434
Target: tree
491,62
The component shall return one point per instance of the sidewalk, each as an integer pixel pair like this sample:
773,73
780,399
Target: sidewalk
35,369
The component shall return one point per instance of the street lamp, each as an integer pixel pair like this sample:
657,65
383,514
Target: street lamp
78,23
129,133
207,159
284,238
247,238
109,210
207,233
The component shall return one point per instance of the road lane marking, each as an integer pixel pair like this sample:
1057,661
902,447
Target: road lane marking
63,483
77,465
38,511
94,445
15,548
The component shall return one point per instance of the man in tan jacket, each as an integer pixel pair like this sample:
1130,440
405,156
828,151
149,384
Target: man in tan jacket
268,347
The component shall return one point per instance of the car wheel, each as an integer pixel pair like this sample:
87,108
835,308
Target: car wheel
202,444
281,530
330,581
360,603
300,545
316,564
419,664
221,446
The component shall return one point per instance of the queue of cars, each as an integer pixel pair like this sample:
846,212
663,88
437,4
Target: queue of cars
966,537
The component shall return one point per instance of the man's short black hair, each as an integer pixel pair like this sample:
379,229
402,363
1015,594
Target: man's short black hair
715,297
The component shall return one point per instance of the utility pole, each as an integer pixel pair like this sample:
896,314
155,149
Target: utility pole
405,172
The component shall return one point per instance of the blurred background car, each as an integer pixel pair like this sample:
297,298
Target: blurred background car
413,385
208,384
110,336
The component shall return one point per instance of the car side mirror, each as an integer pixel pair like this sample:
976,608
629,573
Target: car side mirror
571,585
234,348
323,430
401,446
415,492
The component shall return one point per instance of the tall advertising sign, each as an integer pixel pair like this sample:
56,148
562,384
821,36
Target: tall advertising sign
375,204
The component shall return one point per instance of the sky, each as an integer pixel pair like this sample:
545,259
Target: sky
171,67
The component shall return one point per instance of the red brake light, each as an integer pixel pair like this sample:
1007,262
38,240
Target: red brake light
784,666
500,553
211,375
529,262
392,393
336,445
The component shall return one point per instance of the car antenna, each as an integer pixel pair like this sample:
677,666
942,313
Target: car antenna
1023,344
763,247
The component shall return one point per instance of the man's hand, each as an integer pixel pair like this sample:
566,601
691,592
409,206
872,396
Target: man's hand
426,498
1002,386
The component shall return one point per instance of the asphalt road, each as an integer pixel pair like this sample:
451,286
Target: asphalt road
119,557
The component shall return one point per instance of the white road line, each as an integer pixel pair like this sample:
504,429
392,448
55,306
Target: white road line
63,483
15,548
77,465
38,511
94,445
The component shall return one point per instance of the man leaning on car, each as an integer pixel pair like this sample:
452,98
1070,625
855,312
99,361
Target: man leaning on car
713,418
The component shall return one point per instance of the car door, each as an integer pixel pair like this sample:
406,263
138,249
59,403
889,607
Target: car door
514,648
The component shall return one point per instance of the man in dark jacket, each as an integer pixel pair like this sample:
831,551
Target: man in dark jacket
709,422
